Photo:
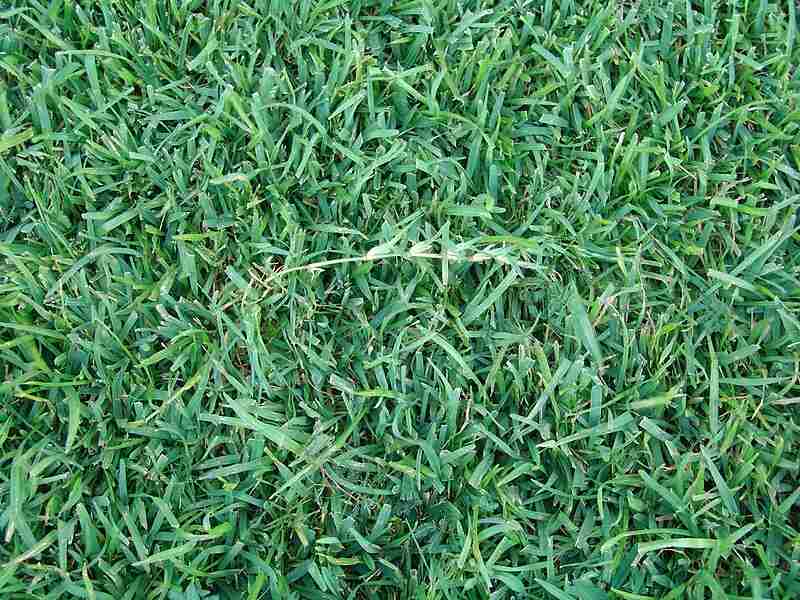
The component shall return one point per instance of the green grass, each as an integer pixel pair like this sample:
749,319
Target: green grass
426,299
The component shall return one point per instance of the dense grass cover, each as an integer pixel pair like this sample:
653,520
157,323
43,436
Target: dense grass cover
417,299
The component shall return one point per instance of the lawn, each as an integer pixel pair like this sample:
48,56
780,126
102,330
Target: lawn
415,299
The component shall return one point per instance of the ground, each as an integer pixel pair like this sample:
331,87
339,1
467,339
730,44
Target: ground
435,299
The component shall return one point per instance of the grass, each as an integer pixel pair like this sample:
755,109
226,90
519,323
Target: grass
420,299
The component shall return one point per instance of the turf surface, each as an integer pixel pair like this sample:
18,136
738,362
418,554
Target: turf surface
418,299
